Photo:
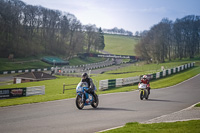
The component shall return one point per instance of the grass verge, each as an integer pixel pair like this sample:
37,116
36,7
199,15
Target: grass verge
198,105
175,127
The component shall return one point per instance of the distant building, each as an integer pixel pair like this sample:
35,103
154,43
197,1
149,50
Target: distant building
32,77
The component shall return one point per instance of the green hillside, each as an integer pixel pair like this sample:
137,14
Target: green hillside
121,45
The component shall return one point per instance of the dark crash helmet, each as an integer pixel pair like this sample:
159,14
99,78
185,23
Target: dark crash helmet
84,75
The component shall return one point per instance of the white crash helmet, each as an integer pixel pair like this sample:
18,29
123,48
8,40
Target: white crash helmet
144,77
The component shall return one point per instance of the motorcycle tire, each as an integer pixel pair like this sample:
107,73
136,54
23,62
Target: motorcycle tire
147,96
95,102
141,95
79,103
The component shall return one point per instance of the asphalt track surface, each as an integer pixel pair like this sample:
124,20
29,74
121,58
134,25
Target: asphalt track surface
116,109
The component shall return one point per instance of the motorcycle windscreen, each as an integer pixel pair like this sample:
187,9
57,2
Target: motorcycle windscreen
81,86
142,86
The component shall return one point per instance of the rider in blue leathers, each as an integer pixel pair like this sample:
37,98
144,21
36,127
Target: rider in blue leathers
91,86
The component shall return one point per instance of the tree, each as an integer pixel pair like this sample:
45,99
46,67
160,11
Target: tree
137,33
28,30
90,36
74,26
100,42
167,39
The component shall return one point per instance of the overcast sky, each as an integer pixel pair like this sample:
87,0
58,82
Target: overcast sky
132,15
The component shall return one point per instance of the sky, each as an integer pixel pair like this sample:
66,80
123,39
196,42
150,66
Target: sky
131,15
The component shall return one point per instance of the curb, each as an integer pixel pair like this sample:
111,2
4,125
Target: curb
109,129
146,122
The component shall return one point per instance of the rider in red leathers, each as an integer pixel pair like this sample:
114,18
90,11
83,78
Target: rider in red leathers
144,80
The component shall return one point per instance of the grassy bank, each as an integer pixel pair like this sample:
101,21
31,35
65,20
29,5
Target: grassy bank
88,60
25,63
32,63
175,127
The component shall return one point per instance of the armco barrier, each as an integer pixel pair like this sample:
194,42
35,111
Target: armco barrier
107,84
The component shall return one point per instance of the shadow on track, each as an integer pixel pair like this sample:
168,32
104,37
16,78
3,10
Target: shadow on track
108,109
159,100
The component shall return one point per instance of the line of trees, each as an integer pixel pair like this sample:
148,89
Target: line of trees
171,40
27,30
116,30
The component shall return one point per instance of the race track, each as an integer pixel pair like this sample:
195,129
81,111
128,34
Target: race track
116,109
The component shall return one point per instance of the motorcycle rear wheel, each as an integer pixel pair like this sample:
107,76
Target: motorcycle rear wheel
141,95
147,96
79,102
95,102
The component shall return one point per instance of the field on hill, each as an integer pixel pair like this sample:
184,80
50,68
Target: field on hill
121,45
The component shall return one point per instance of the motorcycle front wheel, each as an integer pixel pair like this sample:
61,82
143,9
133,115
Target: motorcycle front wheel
79,102
95,102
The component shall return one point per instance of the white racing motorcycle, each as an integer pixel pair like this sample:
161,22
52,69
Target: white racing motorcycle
143,91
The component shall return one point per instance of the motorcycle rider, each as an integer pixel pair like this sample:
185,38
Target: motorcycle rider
144,80
91,86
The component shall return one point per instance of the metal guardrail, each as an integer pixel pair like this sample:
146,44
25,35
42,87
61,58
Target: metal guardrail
64,85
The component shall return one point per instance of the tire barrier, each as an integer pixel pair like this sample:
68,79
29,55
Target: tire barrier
82,68
172,70
112,83
24,70
66,69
